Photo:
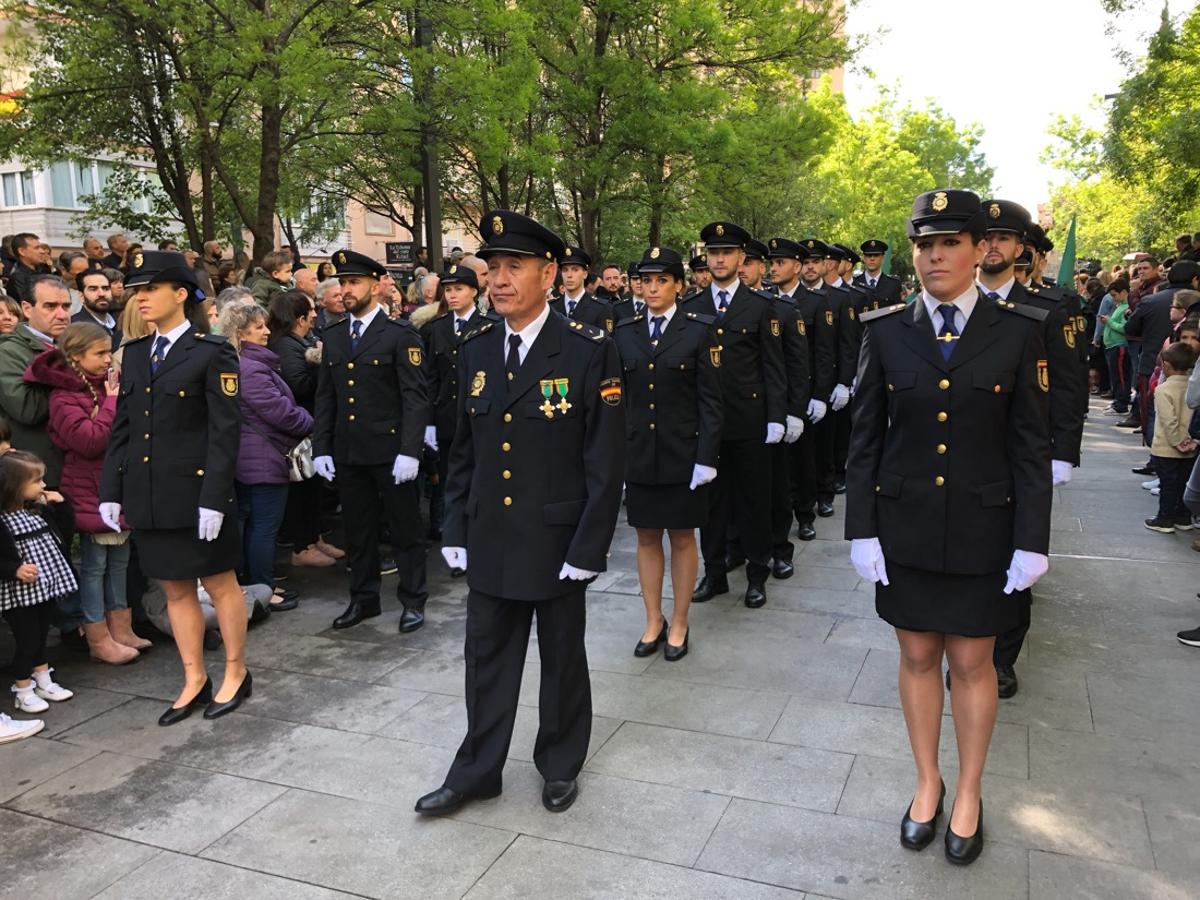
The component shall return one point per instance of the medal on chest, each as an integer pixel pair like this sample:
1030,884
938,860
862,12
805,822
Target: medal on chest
551,387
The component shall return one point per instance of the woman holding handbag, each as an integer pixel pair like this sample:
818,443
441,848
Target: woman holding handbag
272,424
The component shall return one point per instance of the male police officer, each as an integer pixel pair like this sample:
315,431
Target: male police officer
633,305
701,277
532,498
754,385
576,303
883,288
372,410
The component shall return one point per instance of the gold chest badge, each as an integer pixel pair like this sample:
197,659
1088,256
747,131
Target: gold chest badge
478,383
1043,375
1069,335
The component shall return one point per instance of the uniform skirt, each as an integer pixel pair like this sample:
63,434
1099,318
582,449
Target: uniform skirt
967,605
177,554
666,506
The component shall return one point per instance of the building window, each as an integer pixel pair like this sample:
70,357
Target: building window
71,182
374,223
18,189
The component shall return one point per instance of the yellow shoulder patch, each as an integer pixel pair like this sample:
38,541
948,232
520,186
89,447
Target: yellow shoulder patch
229,384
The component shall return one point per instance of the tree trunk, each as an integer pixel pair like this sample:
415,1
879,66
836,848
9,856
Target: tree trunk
418,216
263,226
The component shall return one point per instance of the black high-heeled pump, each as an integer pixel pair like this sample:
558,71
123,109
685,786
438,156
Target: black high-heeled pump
962,851
673,653
647,648
245,689
919,835
176,714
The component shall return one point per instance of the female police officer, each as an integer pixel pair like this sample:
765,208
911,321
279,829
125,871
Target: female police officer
170,468
948,487
672,438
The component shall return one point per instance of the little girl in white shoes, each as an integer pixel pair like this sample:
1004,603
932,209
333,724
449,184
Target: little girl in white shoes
33,575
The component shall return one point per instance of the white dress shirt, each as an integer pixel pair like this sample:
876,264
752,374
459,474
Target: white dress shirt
963,306
172,336
528,334
666,315
366,319
729,291
1003,290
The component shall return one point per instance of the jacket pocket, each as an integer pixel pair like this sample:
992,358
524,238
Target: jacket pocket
994,382
901,381
998,493
193,467
679,365
385,427
888,484
568,512
187,390
478,406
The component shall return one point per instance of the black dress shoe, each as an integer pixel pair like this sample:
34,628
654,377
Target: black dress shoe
709,587
411,620
1142,470
782,569
445,800
806,532
919,835
179,713
648,648
673,653
824,509
1006,681
962,851
245,689
756,596
355,613
557,796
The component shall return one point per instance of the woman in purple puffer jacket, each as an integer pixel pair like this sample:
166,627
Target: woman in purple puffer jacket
272,423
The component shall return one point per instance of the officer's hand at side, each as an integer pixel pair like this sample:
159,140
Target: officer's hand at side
1025,570
816,410
324,467
701,475
455,557
867,556
1061,471
569,572
840,397
110,515
431,437
405,468
795,428
775,432
210,524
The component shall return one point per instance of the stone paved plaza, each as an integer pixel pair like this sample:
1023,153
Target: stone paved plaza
772,762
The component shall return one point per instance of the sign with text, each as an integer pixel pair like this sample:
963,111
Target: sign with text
402,254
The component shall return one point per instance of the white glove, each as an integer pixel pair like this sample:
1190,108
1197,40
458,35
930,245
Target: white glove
210,524
701,475
1025,569
1061,471
795,428
816,410
405,468
867,556
324,467
431,437
574,574
455,557
840,397
775,432
110,515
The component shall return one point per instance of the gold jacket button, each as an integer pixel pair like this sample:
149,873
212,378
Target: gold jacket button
943,416
651,367
508,501
996,389
651,406
941,448
939,481
146,436
350,383
651,426
720,331
506,474
147,390
944,384
506,446
508,417
183,393
351,417
349,399
651,387
891,387
145,459
199,471
349,365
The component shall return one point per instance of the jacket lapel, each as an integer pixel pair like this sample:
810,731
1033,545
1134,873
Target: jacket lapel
368,337
974,338
920,334
539,361
175,355
671,335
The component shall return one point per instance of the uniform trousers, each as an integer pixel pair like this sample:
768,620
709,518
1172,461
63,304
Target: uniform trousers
782,456
497,636
1009,643
370,494
804,474
841,442
741,498
826,456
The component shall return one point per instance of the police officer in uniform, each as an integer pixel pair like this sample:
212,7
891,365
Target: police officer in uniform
372,410
576,303
850,335
531,505
634,305
883,288
169,470
442,337
754,387
701,277
674,414
948,497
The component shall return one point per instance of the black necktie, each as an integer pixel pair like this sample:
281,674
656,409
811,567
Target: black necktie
571,307
992,295
871,283
949,334
355,333
722,304
514,356
160,353
458,325
656,331
638,307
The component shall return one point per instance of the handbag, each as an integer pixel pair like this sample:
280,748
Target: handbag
299,460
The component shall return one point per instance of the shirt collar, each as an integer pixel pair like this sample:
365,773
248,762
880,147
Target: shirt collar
667,314
44,338
838,283
176,333
965,303
108,321
1004,290
731,290
465,318
530,332
366,319
569,299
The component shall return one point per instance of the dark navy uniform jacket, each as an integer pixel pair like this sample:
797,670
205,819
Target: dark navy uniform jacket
536,466
949,462
175,437
795,355
372,401
887,290
674,409
441,343
627,309
820,328
589,309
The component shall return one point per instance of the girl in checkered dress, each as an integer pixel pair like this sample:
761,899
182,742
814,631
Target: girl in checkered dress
33,575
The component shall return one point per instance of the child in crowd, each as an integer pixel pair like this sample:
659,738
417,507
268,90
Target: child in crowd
1173,449
34,574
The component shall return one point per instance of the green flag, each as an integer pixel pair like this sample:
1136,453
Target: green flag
886,268
1066,267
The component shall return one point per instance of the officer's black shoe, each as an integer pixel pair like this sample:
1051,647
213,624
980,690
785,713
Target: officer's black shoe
445,800
839,487
709,587
756,595
411,620
734,562
919,835
354,614
557,796
1142,470
962,851
782,569
824,509
806,532
1006,679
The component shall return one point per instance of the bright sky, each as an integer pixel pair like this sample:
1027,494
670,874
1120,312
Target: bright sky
974,63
